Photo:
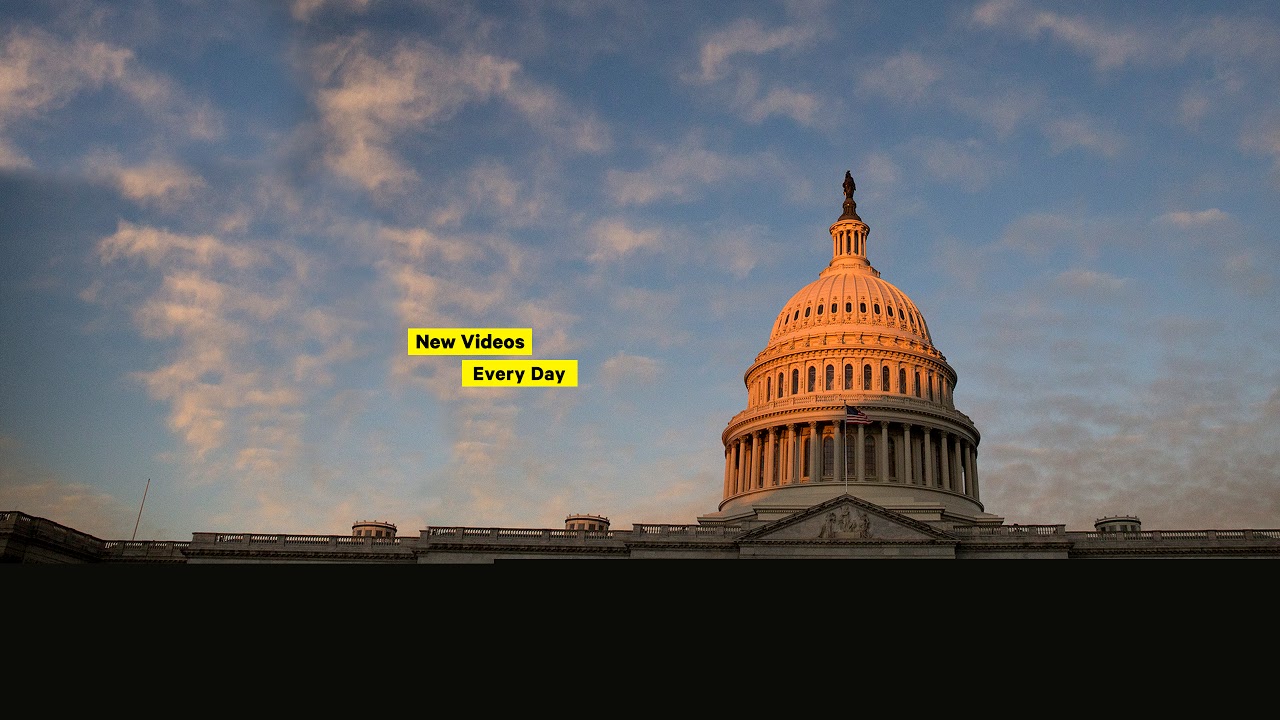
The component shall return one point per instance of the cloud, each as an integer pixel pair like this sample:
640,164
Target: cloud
41,72
368,97
302,10
156,246
678,173
1082,132
160,182
612,240
746,37
967,163
1089,282
739,87
623,370
1109,48
906,77
246,345
801,107
1193,218
683,173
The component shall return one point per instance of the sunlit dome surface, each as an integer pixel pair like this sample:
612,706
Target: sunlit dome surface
849,299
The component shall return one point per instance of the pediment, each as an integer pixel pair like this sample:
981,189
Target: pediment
844,519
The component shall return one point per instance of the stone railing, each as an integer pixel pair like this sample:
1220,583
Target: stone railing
313,542
543,535
24,525
860,399
1011,531
1178,535
143,549
649,531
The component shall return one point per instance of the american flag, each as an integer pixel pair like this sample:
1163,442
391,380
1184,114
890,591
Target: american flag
855,416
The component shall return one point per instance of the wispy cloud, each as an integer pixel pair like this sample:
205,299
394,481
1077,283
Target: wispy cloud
41,72
631,371
746,37
722,65
613,239
1082,132
1109,48
1193,218
369,96
970,163
905,77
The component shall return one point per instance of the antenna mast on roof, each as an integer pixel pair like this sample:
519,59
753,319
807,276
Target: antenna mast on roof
144,502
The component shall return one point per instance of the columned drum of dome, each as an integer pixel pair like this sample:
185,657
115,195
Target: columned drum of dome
851,342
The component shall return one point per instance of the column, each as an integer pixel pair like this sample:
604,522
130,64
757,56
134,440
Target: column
973,465
945,480
728,465
839,468
859,456
815,453
753,455
795,452
769,452
906,455
882,452
928,458
957,480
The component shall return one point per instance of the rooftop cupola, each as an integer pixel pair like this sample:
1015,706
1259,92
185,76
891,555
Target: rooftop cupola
849,235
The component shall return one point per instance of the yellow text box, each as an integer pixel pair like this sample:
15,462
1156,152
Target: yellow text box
470,341
519,373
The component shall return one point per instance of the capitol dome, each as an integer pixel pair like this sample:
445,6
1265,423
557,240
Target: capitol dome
851,396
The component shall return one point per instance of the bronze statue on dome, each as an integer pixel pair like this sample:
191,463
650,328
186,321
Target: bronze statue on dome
850,206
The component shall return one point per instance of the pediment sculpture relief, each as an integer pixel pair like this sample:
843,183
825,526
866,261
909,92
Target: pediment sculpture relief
851,524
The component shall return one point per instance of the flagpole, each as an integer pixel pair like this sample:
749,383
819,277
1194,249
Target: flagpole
144,502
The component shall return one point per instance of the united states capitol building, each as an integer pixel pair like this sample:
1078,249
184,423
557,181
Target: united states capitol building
850,446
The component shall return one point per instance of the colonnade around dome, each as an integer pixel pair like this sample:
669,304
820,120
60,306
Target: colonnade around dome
834,451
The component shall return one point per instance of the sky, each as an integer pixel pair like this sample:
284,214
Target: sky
218,219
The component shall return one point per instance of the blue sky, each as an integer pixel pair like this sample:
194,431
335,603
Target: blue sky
217,220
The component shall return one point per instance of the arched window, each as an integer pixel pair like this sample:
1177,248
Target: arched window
806,312
831,378
795,381
866,377
850,447
806,457
862,307
930,387
768,389
834,308
780,381
889,309
813,374
869,454
917,386
848,307
893,457
876,307
848,376
902,381
820,309
884,379
828,457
